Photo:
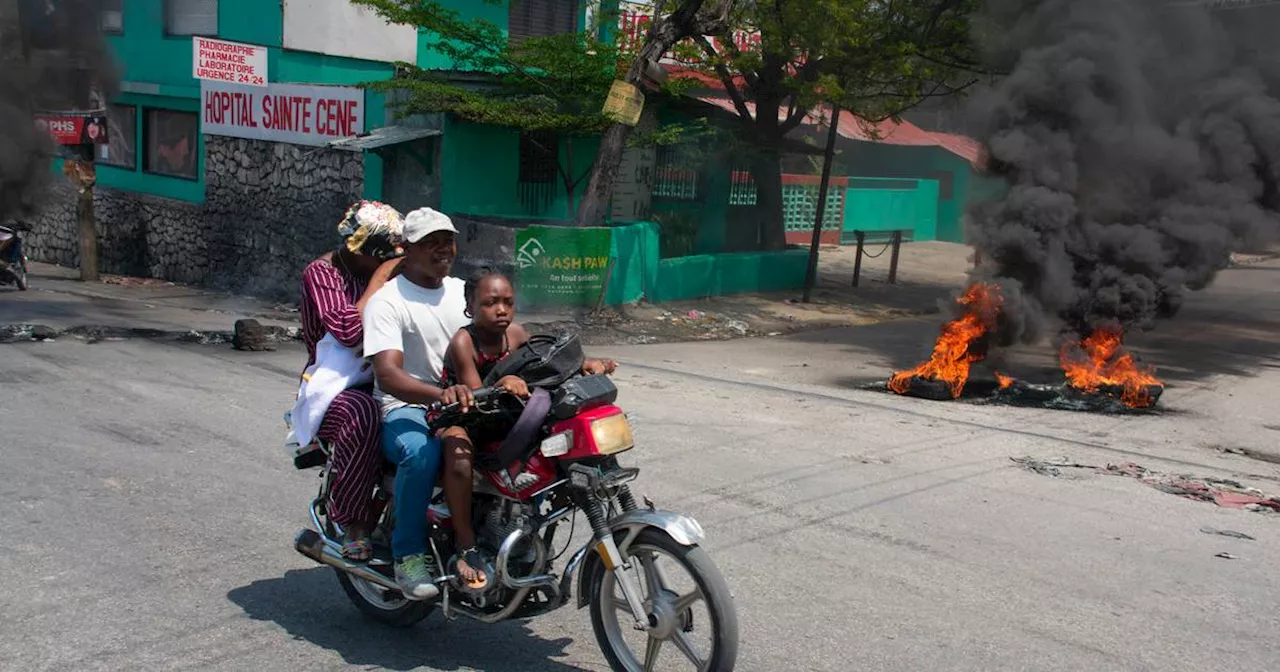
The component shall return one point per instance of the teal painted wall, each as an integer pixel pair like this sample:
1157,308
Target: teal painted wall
480,168
868,208
156,71
495,13
158,185
870,159
638,272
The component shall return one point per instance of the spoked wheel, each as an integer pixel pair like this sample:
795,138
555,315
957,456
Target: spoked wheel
386,606
693,625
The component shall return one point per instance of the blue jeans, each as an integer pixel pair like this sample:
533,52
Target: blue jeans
417,457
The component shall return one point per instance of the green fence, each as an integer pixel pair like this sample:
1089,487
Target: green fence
565,267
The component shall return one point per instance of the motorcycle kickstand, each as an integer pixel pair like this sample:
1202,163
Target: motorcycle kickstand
443,582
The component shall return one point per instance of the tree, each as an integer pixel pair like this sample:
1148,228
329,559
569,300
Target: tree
875,59
675,21
555,84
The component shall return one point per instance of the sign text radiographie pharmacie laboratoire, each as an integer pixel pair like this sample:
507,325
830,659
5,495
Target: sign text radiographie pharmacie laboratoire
296,113
231,62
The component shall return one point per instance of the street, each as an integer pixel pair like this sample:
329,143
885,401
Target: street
149,510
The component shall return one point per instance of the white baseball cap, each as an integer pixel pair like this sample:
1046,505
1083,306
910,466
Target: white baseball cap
423,222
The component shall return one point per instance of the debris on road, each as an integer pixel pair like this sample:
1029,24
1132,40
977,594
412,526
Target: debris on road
1226,556
250,335
1227,533
1049,467
1223,492
17,333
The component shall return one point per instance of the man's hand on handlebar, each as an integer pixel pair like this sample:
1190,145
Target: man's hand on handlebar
514,385
460,395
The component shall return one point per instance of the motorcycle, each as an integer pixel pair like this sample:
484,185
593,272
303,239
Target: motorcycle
566,469
13,262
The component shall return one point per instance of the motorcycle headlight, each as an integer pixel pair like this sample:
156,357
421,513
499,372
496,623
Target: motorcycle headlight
612,434
557,444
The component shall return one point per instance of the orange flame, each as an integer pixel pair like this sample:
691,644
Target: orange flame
1101,361
951,355
1005,381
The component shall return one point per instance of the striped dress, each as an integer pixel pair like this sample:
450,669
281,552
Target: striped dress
350,426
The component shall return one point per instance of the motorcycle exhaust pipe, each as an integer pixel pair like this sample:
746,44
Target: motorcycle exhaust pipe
309,543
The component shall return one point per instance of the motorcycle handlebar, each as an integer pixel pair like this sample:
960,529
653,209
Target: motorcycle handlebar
477,396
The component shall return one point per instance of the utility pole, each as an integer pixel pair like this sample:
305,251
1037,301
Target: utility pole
811,277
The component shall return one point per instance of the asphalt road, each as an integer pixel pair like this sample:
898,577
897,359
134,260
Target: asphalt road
148,513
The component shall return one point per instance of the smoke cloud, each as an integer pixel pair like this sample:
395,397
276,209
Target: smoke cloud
1141,143
52,58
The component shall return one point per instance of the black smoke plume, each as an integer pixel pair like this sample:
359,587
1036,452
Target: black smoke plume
1141,143
53,58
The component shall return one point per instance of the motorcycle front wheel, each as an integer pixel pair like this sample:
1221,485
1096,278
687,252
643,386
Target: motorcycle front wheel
693,624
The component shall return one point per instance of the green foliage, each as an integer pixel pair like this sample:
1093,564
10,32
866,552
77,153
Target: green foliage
556,83
678,232
874,58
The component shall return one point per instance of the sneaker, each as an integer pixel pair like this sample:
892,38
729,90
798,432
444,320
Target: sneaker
413,574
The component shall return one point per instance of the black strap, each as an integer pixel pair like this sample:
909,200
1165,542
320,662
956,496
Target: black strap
521,436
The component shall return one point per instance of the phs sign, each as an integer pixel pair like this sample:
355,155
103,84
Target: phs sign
296,113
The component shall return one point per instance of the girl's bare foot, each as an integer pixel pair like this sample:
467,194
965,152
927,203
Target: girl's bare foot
468,566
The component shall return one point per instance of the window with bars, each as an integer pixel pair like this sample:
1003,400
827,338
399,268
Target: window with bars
541,18
113,17
536,179
191,17
673,177
171,143
120,149
742,188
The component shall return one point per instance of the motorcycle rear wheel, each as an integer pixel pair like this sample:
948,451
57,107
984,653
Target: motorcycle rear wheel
610,617
20,278
381,605
374,602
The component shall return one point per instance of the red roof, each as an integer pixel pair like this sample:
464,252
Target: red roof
889,132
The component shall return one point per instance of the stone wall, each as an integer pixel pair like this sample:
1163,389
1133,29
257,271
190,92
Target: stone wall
270,208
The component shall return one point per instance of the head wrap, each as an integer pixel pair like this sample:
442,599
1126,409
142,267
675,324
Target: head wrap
373,228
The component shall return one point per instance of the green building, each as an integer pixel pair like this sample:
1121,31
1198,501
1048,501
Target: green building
241,132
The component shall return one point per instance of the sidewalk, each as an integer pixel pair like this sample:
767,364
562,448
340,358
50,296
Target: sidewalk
927,274
59,300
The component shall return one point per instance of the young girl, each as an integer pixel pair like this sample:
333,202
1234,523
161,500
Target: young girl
472,354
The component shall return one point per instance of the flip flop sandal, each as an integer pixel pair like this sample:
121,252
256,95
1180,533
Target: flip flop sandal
475,561
357,550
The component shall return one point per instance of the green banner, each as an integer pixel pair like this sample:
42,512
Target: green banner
561,266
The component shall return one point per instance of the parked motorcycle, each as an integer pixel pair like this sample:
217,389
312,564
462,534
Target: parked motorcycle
13,262
639,608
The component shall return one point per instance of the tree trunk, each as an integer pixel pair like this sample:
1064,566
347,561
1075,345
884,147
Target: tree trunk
87,225
83,176
604,172
689,18
766,170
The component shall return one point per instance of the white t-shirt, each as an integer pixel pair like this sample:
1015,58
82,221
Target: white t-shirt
418,322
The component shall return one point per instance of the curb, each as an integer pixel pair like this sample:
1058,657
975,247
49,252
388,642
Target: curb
25,333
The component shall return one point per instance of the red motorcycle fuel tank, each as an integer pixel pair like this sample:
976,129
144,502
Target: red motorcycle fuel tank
538,474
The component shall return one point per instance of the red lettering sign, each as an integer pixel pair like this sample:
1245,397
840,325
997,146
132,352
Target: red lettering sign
221,61
313,115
